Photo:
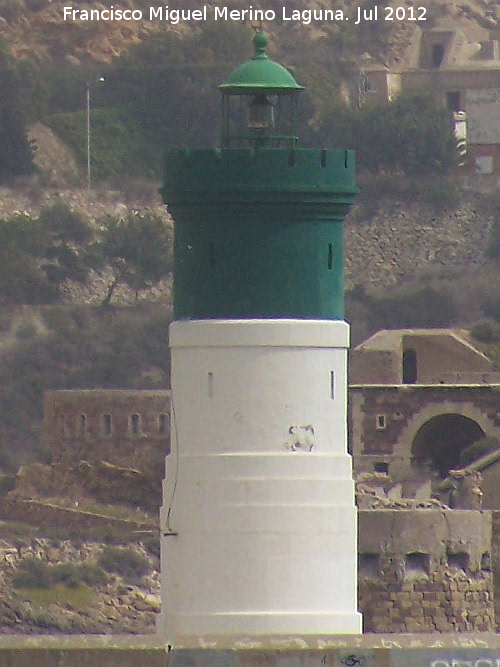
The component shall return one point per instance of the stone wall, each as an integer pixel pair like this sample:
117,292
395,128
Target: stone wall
101,481
375,366
124,427
440,356
470,650
384,421
495,560
37,513
401,237
425,571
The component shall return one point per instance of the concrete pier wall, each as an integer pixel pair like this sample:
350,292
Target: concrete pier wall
466,650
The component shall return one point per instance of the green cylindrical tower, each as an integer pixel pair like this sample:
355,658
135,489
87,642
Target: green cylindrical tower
258,230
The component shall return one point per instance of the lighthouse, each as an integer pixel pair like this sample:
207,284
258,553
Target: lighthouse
258,523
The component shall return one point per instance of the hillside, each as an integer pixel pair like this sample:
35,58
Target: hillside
420,254
153,83
37,28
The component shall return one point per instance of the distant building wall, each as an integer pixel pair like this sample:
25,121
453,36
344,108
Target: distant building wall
437,358
425,571
484,159
380,86
384,421
130,428
438,82
375,366
483,120
440,356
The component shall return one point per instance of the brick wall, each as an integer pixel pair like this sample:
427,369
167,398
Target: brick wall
439,602
383,421
426,571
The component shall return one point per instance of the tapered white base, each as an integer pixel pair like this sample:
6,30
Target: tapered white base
258,521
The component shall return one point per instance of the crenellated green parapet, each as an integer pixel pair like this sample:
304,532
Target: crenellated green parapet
258,233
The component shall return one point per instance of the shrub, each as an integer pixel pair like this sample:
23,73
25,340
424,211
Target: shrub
412,306
7,483
26,329
438,192
7,463
75,574
486,331
10,9
152,545
36,5
15,148
124,561
33,573
117,145
66,573
410,135
441,194
491,305
92,574
493,246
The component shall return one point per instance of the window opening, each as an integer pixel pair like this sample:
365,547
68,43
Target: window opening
459,560
416,563
134,424
368,565
381,422
106,424
332,384
453,100
409,366
437,55
210,385
330,256
486,561
82,424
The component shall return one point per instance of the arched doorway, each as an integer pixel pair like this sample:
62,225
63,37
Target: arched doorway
440,441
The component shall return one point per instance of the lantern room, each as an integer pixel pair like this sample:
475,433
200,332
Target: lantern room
259,103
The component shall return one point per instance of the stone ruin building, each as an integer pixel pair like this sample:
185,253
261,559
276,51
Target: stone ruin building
417,399
124,427
457,62
427,546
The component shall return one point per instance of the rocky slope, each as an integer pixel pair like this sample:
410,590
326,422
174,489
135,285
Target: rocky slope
402,238
125,604
37,28
383,246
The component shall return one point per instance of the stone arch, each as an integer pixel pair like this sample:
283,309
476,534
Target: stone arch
403,451
440,441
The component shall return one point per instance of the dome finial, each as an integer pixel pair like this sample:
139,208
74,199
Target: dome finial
260,42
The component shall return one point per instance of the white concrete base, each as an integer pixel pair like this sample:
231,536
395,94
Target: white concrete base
258,520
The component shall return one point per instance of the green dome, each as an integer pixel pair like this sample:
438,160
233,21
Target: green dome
260,74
